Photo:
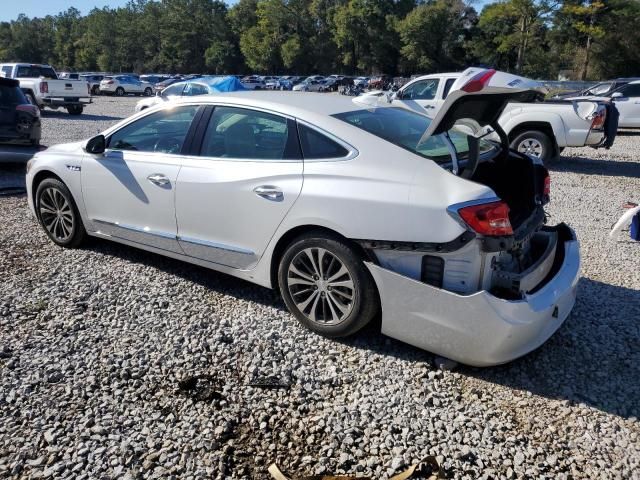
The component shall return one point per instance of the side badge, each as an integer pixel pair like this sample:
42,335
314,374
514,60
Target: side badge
74,168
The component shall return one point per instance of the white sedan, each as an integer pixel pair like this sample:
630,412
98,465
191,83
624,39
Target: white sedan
348,209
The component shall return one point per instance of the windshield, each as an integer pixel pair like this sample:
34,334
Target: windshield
404,128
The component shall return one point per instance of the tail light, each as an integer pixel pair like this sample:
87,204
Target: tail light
597,122
109,82
547,186
491,219
44,87
478,82
27,107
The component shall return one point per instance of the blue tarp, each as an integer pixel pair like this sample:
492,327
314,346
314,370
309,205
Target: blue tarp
225,84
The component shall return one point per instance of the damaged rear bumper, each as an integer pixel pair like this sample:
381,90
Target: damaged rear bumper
480,329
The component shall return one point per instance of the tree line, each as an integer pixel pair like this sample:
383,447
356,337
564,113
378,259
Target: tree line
589,39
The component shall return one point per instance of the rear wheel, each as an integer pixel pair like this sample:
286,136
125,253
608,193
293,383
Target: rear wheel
534,143
325,284
148,92
95,90
75,109
119,91
58,214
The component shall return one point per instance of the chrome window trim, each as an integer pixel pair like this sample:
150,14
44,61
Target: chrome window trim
352,151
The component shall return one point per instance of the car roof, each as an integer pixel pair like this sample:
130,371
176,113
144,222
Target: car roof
296,104
9,82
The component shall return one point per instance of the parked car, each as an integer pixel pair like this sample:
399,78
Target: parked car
297,192
362,82
329,85
19,119
160,86
601,89
309,86
537,128
124,85
253,83
193,88
154,78
627,101
42,87
94,82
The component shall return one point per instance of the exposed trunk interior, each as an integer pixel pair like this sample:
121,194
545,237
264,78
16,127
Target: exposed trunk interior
517,181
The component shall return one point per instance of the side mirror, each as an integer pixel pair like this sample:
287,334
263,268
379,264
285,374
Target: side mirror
397,95
96,145
617,95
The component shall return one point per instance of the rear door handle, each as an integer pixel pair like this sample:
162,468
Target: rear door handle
269,192
158,179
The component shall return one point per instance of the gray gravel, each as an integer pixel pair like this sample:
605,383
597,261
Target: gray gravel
115,363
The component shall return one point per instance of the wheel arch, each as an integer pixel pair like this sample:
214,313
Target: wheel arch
38,178
285,240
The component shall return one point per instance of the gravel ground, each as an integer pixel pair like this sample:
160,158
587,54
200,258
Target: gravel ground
115,363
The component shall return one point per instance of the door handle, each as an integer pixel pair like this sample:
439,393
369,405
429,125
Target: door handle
158,179
269,192
429,106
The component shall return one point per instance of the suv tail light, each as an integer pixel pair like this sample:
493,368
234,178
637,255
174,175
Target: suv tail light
491,219
597,122
547,186
27,107
478,82
44,87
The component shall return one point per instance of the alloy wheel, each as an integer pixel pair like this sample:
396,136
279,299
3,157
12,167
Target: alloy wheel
56,214
531,146
321,286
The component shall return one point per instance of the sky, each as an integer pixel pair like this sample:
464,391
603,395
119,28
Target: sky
10,9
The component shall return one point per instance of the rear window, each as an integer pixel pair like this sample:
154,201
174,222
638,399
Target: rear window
11,96
404,128
35,71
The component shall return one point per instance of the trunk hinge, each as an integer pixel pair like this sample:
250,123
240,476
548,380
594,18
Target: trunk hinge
452,151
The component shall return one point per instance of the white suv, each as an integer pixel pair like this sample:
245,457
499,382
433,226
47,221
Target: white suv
124,84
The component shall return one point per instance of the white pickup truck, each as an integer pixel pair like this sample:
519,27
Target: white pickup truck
42,87
538,128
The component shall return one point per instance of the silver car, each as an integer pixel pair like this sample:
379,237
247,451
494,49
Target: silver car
349,209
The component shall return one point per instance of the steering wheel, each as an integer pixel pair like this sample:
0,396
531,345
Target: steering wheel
167,145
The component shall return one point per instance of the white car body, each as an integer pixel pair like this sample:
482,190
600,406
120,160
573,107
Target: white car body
626,100
395,210
49,91
568,124
253,83
124,85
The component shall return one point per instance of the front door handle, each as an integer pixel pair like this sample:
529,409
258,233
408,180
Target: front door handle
158,179
269,192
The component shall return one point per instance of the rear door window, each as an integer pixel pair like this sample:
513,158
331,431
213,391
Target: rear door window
6,71
632,90
422,90
244,134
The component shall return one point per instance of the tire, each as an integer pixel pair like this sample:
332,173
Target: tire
75,109
148,92
120,91
323,306
535,143
95,90
58,214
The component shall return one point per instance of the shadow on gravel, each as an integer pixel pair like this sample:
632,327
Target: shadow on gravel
85,116
593,358
591,166
628,133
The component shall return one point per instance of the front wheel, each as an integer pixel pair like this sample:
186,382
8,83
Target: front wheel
534,143
325,284
148,92
58,214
